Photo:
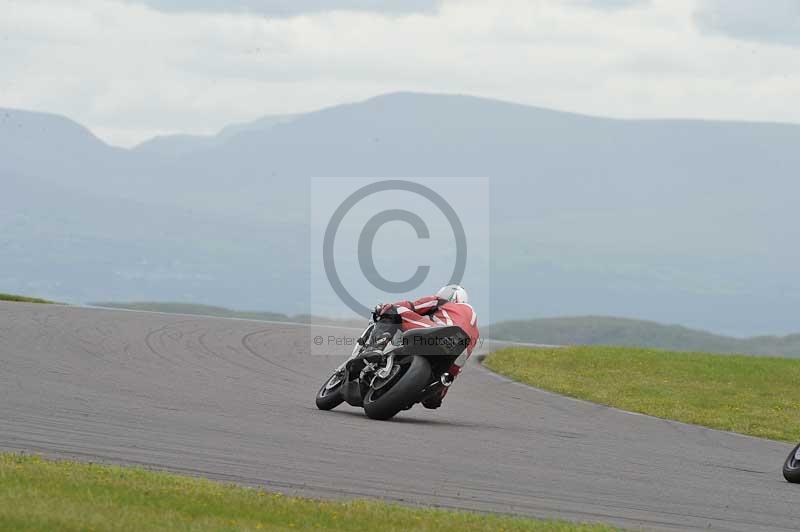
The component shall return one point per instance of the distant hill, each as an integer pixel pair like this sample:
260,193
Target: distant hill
222,312
600,330
23,299
676,221
180,145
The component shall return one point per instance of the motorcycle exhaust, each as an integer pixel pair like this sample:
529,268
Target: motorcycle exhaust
446,379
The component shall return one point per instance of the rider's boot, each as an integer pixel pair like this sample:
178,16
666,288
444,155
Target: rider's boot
435,401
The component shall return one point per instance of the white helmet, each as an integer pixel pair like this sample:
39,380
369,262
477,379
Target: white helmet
454,293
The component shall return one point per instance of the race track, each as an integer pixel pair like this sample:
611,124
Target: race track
234,400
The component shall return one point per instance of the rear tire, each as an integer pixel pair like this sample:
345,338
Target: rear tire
329,397
402,394
791,468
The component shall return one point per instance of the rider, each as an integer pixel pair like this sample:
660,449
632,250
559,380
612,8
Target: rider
448,307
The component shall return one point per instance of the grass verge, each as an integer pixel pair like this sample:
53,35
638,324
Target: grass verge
23,299
38,494
750,395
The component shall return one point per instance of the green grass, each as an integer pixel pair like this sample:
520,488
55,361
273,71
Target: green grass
750,395
23,299
37,494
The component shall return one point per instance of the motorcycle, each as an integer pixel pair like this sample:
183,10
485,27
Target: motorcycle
791,468
390,370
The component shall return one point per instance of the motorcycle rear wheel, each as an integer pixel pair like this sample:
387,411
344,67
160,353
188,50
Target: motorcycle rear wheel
383,405
791,468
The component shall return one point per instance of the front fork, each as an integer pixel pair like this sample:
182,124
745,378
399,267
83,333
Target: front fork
356,348
356,351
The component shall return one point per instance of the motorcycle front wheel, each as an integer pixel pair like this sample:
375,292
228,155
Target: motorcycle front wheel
791,468
330,395
386,397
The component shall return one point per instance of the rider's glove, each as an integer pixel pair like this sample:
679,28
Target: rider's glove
378,311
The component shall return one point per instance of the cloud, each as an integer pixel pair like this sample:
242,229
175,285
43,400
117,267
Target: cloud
128,71
610,4
289,8
775,21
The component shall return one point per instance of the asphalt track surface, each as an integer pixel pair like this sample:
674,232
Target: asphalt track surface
234,400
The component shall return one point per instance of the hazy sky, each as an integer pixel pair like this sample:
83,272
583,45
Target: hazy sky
130,69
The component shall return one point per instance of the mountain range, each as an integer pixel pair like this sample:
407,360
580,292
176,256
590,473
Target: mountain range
606,330
680,221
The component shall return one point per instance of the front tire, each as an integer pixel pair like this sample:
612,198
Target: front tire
403,393
791,468
330,395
